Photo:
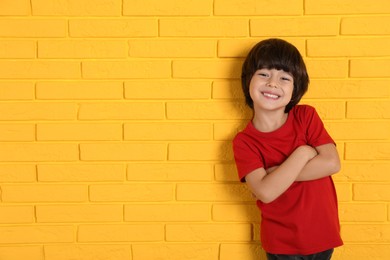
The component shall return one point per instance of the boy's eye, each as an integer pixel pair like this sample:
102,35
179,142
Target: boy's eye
286,79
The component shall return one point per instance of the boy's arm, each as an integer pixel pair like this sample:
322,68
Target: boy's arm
268,187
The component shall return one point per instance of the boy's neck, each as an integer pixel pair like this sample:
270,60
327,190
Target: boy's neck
269,122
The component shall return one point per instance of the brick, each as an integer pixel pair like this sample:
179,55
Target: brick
204,27
167,212
38,111
346,7
16,214
326,68
17,132
227,89
348,89
21,90
243,7
161,89
207,69
359,252
227,131
344,191
208,110
21,252
208,232
123,152
15,7
82,49
226,172
88,252
166,131
366,25
362,212
122,111
31,152
367,151
36,234
34,28
79,131
124,28
44,193
148,192
174,251
366,171
373,233
11,49
371,192
328,109
39,69
77,7
81,172
358,130
170,172
177,48
80,90
17,173
244,251
167,8
126,69
79,213
121,233
363,68
216,151
236,213
378,109
236,192
297,26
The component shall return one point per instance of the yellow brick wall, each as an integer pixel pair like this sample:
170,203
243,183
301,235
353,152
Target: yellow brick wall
116,121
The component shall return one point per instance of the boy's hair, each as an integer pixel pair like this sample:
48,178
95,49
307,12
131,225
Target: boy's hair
276,54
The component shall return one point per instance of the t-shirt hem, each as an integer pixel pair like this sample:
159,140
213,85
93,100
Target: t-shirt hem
303,251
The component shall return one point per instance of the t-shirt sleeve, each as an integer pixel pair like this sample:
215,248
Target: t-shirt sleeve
315,131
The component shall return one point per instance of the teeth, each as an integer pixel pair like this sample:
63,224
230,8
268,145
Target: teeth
270,95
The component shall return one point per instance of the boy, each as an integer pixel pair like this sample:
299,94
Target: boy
286,157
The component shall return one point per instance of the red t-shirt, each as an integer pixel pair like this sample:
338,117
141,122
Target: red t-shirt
304,219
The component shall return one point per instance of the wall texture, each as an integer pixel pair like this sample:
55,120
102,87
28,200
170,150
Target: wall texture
116,120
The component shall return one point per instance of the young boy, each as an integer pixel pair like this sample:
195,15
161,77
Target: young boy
286,157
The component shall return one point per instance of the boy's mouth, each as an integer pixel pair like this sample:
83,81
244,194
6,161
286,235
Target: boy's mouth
270,95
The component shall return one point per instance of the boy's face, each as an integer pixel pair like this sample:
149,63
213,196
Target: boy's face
271,89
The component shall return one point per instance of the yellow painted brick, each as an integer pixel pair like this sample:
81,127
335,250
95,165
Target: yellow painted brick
126,69
174,251
362,252
207,69
122,111
208,232
37,111
84,49
36,234
344,191
371,192
366,171
29,152
147,192
204,27
16,214
378,109
79,213
366,25
113,27
346,7
167,212
236,192
241,251
358,212
80,172
297,26
15,7
367,151
17,173
77,7
44,193
236,213
170,172
216,151
33,27
39,69
327,69
80,90
79,131
253,7
87,252
166,131
123,152
11,49
374,233
121,233
363,68
347,89
21,252
227,89
165,48
227,131
165,8
11,90
208,110
328,109
358,130
17,132
226,172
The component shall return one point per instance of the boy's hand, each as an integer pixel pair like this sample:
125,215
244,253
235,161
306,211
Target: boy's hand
307,151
